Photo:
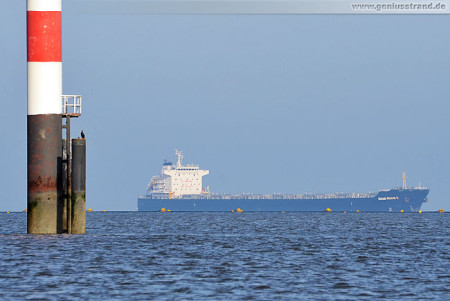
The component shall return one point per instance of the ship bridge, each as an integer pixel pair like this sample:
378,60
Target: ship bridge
185,179
178,180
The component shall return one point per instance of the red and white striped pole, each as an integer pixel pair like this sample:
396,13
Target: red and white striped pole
44,122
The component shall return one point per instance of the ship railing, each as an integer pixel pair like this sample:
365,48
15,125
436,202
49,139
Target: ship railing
161,195
408,188
283,196
190,165
421,187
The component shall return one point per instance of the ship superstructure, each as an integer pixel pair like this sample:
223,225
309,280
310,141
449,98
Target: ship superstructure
179,188
178,180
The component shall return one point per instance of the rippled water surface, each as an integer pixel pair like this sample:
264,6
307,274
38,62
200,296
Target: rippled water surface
246,256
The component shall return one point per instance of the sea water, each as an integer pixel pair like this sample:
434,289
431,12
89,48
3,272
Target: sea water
230,256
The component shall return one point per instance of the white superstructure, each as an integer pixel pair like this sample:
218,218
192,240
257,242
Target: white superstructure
178,180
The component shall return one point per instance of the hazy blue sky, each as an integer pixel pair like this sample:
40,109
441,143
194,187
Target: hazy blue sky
287,103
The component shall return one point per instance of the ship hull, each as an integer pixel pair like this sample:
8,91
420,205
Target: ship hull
395,200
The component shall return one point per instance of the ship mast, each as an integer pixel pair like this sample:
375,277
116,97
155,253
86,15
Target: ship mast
404,180
180,157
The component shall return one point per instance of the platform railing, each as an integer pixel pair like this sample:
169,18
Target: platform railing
71,105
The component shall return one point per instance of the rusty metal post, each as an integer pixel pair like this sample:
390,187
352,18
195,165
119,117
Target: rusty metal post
44,122
44,173
78,185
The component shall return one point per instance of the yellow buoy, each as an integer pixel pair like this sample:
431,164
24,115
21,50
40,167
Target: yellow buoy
239,210
7,211
163,210
168,210
441,210
357,210
104,210
283,212
232,210
345,211
420,211
26,210
328,210
402,210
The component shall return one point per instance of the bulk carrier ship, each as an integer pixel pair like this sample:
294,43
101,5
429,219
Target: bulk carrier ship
179,188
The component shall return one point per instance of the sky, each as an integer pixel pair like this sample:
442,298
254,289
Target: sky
267,103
